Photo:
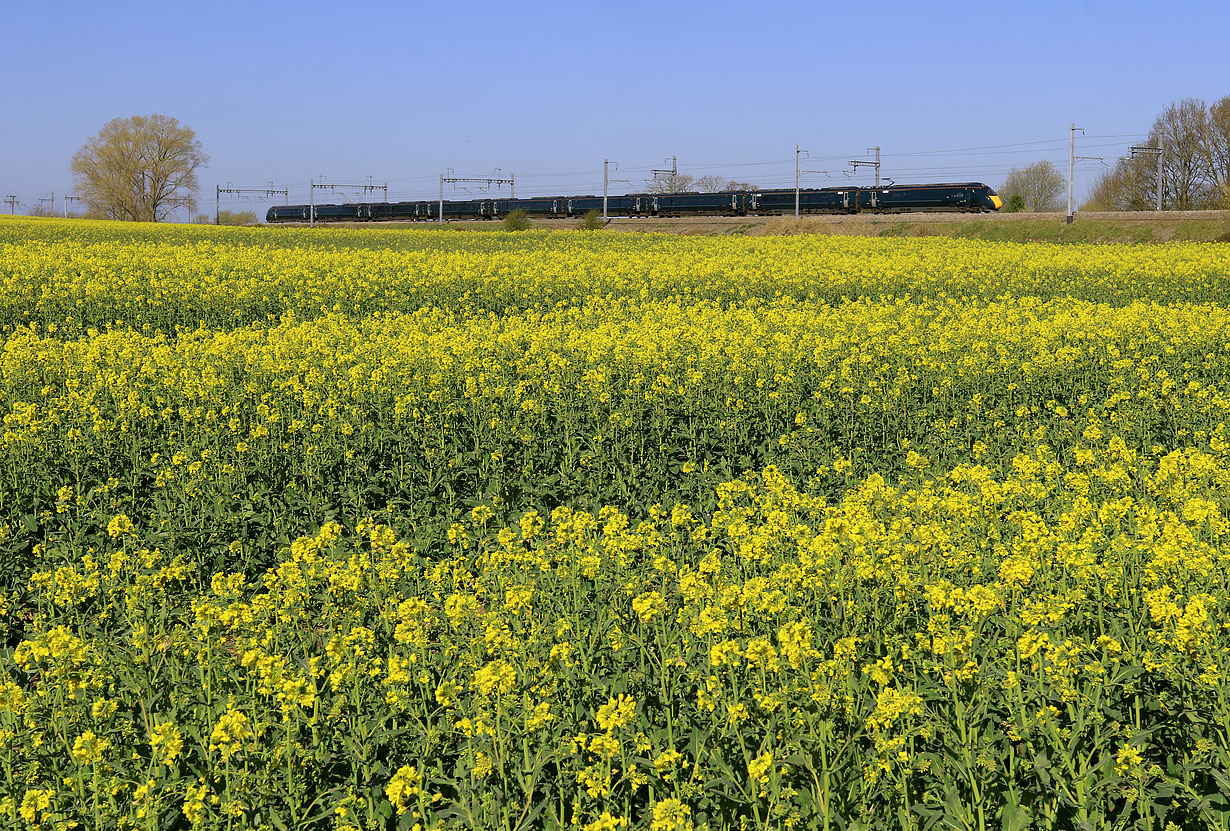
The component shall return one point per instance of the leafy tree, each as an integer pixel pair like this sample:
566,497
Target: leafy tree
1015,204
1039,185
139,168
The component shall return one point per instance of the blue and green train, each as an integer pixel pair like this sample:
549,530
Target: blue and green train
970,197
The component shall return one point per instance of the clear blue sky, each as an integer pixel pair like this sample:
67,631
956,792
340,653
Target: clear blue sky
287,92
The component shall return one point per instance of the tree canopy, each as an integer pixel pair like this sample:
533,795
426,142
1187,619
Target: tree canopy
139,168
1039,186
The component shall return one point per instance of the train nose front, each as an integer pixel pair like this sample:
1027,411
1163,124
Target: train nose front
997,202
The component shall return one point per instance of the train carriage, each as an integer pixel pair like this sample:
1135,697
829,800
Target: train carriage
542,207
394,211
696,204
811,200
336,213
961,196
467,209
287,213
615,205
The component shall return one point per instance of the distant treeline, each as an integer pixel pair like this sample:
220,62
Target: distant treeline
1195,169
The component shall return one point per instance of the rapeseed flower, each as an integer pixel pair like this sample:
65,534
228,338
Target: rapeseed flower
617,712
671,815
230,733
167,742
88,748
991,479
405,785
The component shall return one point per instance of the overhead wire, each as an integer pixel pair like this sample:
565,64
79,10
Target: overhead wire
587,182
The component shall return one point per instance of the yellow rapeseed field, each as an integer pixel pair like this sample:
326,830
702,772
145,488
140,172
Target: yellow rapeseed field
421,529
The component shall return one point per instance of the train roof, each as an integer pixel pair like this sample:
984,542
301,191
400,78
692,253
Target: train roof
820,190
893,186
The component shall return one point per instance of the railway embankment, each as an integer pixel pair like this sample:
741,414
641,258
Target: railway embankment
1087,227
1135,227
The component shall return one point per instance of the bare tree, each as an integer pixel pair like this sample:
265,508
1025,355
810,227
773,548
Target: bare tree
1103,193
1040,184
1216,148
670,183
139,168
1195,163
1128,186
717,184
1182,128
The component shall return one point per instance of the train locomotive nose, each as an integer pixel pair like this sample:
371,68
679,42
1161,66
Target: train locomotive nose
997,202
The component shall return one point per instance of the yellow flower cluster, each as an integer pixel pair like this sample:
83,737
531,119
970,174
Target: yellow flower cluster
69,277
486,530
230,733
